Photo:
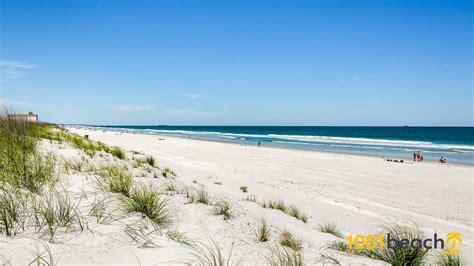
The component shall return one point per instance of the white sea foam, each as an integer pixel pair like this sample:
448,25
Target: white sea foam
301,139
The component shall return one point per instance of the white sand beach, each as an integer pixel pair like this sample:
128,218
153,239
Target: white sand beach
357,193
360,193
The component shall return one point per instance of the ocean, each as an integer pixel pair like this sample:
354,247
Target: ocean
456,144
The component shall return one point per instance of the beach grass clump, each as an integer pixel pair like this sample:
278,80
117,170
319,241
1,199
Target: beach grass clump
284,256
150,160
203,196
401,255
168,172
263,232
117,152
223,208
210,253
288,240
291,210
21,163
148,202
56,209
116,179
13,210
330,228
244,189
449,260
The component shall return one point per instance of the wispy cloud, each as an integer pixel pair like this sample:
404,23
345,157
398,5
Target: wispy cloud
15,69
194,96
133,108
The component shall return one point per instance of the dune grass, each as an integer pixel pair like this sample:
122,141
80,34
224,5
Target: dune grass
148,202
400,255
150,160
168,173
288,240
263,232
54,210
210,253
330,228
21,163
449,260
283,256
116,179
117,152
223,208
291,210
13,210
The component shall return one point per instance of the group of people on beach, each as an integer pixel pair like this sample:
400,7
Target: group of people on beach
417,156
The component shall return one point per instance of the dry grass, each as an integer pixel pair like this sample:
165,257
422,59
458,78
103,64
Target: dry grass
280,256
288,240
263,232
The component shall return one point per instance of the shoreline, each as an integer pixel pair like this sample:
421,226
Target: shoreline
282,147
359,192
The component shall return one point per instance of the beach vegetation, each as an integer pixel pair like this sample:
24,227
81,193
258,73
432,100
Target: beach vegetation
116,179
180,237
330,228
148,202
168,172
22,165
56,209
401,255
442,259
288,240
143,234
44,257
291,210
203,196
117,152
223,208
205,254
244,189
263,232
13,210
150,160
284,256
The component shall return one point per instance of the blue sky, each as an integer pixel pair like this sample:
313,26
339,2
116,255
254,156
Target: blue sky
239,62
